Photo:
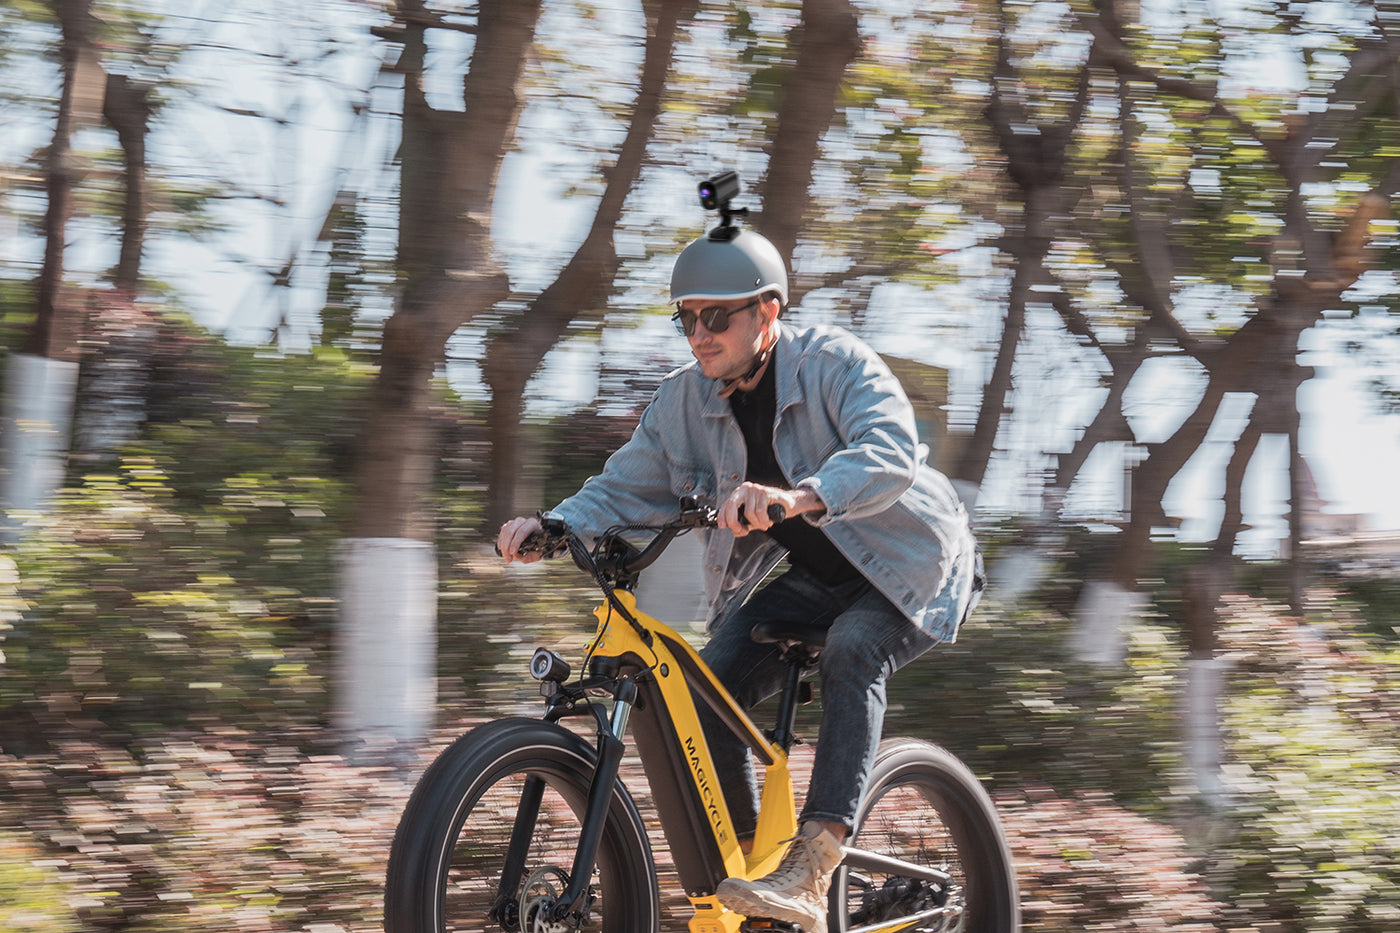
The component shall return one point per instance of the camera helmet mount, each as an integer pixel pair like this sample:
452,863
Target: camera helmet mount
715,194
728,262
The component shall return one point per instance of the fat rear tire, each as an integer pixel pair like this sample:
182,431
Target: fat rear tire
925,806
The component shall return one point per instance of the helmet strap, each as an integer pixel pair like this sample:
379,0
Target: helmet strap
732,385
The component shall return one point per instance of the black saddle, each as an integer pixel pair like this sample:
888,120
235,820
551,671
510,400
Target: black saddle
808,635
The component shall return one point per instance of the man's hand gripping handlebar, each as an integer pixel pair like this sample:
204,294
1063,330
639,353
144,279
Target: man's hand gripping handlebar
529,539
535,538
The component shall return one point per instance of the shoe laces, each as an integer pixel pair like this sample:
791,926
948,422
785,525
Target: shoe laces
801,855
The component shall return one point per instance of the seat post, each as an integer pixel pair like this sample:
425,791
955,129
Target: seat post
784,733
799,644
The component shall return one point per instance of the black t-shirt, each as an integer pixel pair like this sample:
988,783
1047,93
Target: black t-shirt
807,545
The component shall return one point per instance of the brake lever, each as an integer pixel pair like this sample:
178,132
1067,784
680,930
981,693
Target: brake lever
698,516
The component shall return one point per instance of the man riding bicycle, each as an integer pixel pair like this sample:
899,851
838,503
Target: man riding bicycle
879,548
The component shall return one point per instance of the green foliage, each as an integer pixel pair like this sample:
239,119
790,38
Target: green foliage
1315,746
33,894
346,286
1008,698
578,445
143,617
194,576
274,419
1376,601
16,312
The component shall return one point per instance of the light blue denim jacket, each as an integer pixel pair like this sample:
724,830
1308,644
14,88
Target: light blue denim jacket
844,427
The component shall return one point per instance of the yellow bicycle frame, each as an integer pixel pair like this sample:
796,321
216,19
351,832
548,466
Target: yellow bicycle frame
670,676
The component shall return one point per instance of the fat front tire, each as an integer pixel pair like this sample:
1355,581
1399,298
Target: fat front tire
924,806
449,853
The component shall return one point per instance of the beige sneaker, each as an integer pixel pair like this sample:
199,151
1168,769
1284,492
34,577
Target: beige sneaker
796,890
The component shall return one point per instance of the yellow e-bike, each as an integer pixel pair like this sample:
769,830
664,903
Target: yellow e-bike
524,825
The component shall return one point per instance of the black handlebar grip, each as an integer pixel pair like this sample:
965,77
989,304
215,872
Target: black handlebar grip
776,513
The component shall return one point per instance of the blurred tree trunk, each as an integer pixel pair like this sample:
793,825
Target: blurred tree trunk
58,322
1203,585
1146,271
1205,582
448,274
823,47
116,359
41,380
1297,470
1037,154
1276,412
447,266
1202,731
128,108
1232,520
514,354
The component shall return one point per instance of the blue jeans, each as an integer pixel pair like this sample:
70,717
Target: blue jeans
868,639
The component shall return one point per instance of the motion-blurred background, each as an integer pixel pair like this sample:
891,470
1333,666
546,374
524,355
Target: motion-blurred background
300,301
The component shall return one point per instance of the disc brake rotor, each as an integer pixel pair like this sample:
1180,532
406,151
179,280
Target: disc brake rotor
537,900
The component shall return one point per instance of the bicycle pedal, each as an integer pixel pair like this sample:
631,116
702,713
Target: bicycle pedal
764,925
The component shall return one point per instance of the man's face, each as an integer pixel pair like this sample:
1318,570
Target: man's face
730,353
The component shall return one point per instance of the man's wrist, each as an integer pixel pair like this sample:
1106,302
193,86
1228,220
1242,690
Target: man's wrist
806,501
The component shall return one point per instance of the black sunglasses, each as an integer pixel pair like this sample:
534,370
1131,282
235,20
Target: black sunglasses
715,318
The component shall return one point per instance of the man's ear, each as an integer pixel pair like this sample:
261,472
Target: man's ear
771,308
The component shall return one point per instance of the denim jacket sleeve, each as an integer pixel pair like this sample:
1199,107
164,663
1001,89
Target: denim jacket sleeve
875,453
846,429
635,485
685,444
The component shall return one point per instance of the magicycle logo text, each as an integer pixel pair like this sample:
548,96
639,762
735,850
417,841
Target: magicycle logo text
707,794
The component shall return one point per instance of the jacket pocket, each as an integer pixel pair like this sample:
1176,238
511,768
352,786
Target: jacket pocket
690,480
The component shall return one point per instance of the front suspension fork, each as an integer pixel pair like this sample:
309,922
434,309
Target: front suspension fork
506,909
595,817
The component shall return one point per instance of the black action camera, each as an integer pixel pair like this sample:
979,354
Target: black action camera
715,192
715,195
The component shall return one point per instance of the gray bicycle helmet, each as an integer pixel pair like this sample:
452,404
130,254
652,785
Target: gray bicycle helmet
740,266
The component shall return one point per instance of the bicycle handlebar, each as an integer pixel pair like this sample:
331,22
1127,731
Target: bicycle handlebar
613,557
